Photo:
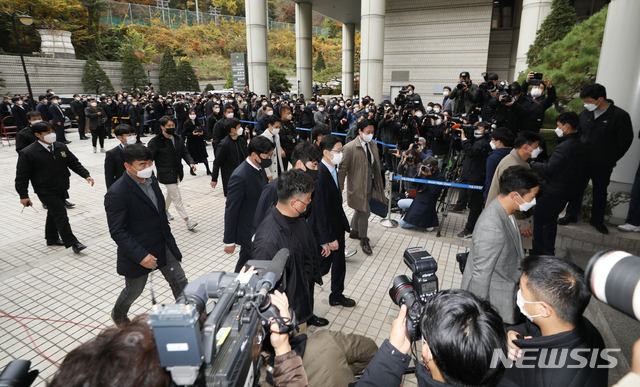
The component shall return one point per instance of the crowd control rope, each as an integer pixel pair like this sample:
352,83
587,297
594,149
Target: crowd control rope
437,182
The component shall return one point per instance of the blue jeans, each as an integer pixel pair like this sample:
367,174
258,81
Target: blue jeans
405,204
633,217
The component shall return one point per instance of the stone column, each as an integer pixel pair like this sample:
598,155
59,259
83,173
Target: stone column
304,55
348,45
618,72
257,46
372,48
533,14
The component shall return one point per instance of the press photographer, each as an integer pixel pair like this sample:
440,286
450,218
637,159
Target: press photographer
463,95
512,107
540,102
487,91
388,132
421,210
440,138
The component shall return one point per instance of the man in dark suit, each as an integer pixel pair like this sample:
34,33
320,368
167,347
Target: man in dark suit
330,221
46,164
219,132
43,108
25,137
113,162
57,119
245,186
78,107
19,113
5,107
231,152
158,112
138,224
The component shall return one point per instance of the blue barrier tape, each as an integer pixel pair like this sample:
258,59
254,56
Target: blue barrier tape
437,182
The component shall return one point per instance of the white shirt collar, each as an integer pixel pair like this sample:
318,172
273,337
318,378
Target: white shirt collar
364,143
329,166
45,145
250,163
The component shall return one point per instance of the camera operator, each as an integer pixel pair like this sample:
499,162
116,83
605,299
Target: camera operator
512,108
441,138
541,102
339,118
421,211
473,172
459,334
415,127
553,296
463,95
414,98
388,132
487,91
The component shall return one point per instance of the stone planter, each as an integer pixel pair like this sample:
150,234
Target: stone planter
57,44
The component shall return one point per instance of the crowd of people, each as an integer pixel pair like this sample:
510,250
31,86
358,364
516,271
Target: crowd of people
285,164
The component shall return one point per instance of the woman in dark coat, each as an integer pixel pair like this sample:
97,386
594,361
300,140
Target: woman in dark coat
422,209
194,132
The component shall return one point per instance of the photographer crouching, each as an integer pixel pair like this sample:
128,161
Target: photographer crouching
421,210
459,334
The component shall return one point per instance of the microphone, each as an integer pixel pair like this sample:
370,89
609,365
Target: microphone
273,273
456,126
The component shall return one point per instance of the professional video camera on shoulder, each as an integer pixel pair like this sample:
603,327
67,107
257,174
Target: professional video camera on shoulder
227,352
416,291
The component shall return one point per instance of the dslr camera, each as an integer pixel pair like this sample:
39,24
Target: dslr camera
462,84
415,292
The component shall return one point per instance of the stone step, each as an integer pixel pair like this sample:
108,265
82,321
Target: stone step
585,237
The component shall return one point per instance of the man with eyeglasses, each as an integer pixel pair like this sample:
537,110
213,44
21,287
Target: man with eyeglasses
243,193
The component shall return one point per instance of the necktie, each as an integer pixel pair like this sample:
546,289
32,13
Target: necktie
50,148
335,177
368,153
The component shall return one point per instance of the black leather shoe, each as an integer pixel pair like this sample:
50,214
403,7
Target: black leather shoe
59,242
84,138
78,247
354,235
68,204
346,302
567,219
67,142
457,209
318,321
600,227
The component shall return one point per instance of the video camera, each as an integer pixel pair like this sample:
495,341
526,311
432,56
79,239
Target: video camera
414,293
227,352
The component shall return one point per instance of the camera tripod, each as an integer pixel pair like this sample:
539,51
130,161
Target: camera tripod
452,174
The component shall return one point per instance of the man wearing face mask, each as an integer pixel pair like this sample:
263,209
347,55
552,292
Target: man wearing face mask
484,95
168,151
447,102
19,113
493,265
473,172
607,134
361,164
501,145
57,118
45,163
219,128
541,102
441,138
463,94
261,126
512,114
78,107
553,296
138,224
97,120
245,186
113,162
460,333
321,116
288,135
231,152
272,133
563,173
25,137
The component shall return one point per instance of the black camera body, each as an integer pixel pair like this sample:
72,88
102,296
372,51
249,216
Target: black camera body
462,84
416,292
506,97
537,76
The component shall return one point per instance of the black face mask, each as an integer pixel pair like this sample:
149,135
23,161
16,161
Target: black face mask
312,173
264,163
170,131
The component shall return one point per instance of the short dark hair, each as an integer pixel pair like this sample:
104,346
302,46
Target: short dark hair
364,123
16,98
123,129
446,87
135,152
503,135
594,91
305,152
319,130
164,120
462,332
519,179
230,124
432,162
284,108
260,145
413,88
125,356
569,118
271,120
293,183
33,113
328,142
41,127
41,97
558,282
228,106
526,137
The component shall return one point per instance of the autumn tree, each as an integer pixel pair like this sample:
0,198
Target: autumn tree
95,79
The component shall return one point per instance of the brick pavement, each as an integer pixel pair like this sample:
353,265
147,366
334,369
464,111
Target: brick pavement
51,282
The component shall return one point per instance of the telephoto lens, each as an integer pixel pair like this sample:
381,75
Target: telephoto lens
613,277
402,293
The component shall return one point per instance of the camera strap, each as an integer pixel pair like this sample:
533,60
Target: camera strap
538,103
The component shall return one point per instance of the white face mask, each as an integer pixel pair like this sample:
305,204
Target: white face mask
367,137
590,106
94,104
526,206
19,102
336,158
131,140
50,138
536,152
418,114
145,173
321,109
230,115
270,113
520,302
438,122
560,131
275,131
35,122
239,132
55,102
124,102
429,108
535,93
216,110
436,110
264,104
477,133
77,98
192,116
134,103
341,103
492,145
355,109
445,93
335,107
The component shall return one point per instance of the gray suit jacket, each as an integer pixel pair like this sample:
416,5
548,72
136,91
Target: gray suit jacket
493,267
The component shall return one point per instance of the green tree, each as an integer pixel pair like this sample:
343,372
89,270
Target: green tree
133,74
94,10
278,82
335,28
572,63
555,27
229,83
91,74
187,77
320,65
208,87
169,80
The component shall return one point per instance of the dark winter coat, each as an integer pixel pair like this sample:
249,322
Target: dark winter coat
475,163
195,143
492,163
422,212
229,155
167,157
607,138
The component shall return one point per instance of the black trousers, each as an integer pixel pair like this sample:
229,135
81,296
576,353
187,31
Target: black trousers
244,257
600,176
337,264
545,222
60,136
81,125
476,202
57,223
98,134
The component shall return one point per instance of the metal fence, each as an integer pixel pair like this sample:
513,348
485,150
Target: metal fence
117,13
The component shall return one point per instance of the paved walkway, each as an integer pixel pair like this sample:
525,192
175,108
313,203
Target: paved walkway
43,282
